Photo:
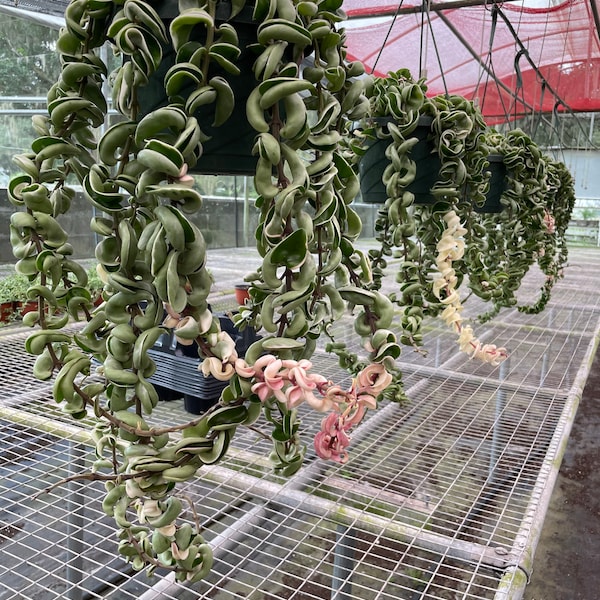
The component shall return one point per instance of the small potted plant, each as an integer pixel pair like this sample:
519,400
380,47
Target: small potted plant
242,293
13,294
95,285
7,299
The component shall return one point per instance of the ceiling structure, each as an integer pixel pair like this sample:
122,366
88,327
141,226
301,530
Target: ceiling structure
512,59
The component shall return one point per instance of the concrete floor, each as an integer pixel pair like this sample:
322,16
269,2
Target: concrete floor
567,561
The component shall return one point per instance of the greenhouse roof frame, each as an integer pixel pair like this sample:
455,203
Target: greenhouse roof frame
529,60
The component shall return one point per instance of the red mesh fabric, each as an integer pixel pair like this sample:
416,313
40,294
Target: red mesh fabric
561,41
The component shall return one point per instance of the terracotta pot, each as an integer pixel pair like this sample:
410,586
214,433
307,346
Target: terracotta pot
241,293
7,310
97,300
25,307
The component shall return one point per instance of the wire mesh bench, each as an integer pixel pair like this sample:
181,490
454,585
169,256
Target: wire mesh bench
442,498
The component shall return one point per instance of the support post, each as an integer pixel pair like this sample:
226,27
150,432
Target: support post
75,525
343,564
500,404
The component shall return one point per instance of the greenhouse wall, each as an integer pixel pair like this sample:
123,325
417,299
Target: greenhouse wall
226,222
229,221
584,165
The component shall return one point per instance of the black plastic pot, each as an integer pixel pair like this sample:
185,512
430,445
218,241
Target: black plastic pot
373,164
211,392
229,151
210,386
498,171
177,373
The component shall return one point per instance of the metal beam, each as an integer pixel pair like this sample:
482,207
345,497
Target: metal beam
51,21
433,7
478,58
596,17
530,61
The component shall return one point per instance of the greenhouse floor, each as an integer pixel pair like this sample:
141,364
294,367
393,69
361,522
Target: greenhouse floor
444,498
568,554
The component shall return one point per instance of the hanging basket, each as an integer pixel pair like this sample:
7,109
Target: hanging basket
373,164
229,149
493,197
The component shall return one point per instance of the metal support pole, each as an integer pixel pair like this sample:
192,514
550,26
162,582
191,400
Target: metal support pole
496,434
236,217
544,369
246,216
343,563
438,352
75,526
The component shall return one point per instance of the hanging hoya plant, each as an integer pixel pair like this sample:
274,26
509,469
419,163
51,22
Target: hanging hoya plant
176,91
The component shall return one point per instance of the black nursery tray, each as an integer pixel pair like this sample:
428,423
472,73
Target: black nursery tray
177,368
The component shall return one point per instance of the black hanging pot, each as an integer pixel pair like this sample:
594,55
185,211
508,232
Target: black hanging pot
373,164
498,171
229,151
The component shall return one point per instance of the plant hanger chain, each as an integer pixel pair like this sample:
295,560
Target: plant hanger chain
435,47
387,35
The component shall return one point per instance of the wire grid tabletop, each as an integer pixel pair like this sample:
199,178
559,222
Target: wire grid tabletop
443,498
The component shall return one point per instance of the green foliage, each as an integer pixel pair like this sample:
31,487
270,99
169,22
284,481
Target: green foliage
152,255
95,285
29,64
13,288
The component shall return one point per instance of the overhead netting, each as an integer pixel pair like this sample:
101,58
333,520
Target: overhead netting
514,60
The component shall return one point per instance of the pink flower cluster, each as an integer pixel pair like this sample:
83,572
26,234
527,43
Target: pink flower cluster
350,408
289,382
549,222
